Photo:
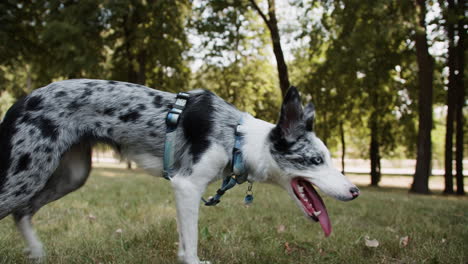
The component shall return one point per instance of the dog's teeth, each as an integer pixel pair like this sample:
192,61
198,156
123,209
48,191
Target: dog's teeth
300,188
317,213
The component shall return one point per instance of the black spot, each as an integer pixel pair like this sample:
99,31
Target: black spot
150,123
91,84
109,111
86,93
157,102
60,94
49,159
110,130
23,163
61,114
73,106
8,130
32,132
151,93
48,150
47,127
197,122
98,124
100,89
153,134
37,148
132,116
141,107
112,82
125,104
20,141
34,103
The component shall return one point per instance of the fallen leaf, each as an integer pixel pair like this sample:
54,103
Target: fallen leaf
321,252
404,241
373,243
91,217
444,240
287,248
118,231
281,228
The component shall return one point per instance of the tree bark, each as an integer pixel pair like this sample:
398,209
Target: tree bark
343,147
272,24
451,100
425,77
374,155
460,97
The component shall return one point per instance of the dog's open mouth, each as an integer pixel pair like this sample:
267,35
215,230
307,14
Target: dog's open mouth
312,203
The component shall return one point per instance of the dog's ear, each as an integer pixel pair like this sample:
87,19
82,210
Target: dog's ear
290,124
309,116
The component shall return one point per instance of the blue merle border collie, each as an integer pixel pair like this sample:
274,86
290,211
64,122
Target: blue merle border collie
46,140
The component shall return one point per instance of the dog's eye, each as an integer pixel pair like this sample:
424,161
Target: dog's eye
316,160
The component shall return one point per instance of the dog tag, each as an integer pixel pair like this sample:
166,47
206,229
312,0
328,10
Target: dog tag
249,195
248,199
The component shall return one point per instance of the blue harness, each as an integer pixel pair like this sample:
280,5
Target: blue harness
239,170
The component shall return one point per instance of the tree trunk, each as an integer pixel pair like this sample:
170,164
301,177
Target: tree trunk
451,101
425,78
374,155
460,97
343,147
272,25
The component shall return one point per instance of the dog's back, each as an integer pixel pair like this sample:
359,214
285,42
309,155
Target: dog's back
40,128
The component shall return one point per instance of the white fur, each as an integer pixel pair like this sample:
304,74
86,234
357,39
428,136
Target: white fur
188,190
34,246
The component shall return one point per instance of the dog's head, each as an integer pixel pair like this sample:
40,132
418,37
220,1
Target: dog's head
304,161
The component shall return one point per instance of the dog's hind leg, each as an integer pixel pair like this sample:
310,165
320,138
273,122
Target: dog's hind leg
70,175
34,250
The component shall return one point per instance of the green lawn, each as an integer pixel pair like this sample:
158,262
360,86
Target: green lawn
81,228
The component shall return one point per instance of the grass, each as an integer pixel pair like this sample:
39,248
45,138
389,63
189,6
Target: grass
81,228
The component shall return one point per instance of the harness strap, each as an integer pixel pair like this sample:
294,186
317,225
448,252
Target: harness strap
172,120
239,171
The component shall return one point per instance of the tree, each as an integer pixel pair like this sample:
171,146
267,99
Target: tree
355,80
451,96
460,92
148,40
236,41
272,23
425,79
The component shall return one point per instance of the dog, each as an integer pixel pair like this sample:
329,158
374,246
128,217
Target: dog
46,140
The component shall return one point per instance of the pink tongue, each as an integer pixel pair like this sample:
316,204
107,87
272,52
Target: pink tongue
319,206
317,203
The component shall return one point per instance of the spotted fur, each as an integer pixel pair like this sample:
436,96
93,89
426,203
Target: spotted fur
46,140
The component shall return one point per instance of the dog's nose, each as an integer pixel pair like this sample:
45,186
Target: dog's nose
354,192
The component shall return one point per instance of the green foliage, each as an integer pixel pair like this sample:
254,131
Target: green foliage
249,85
148,41
351,68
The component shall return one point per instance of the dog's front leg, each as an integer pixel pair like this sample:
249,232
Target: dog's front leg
188,195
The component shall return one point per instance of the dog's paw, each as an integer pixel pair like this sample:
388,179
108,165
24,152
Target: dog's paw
35,255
